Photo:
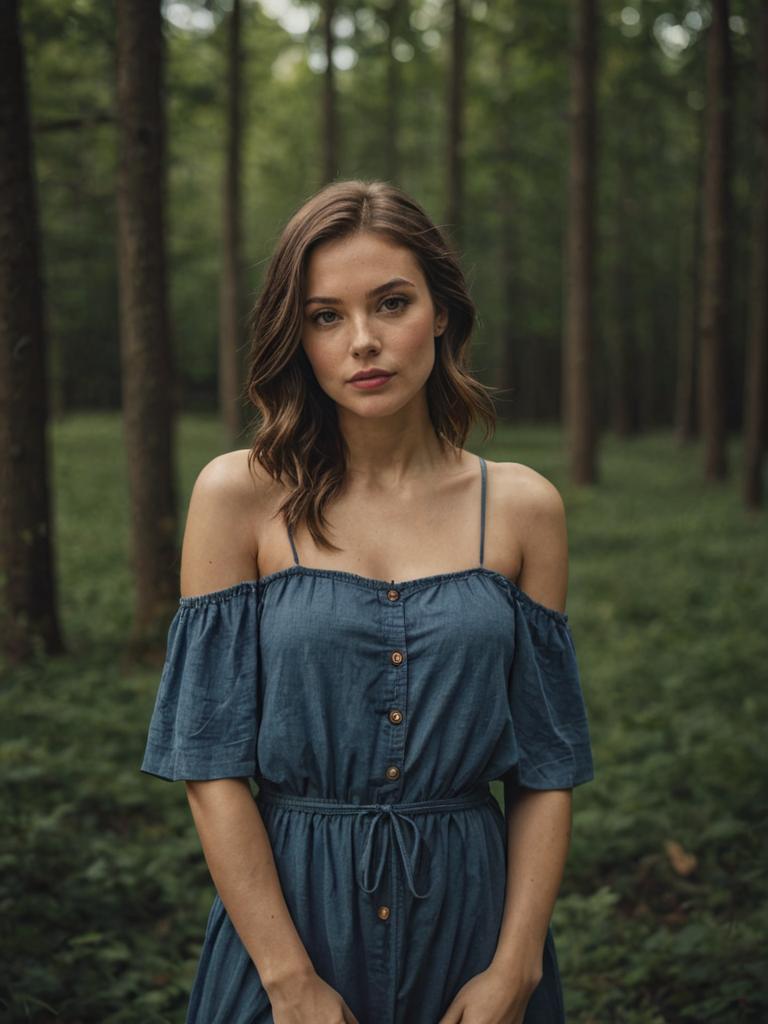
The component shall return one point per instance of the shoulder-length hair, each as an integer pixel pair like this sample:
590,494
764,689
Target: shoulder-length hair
298,440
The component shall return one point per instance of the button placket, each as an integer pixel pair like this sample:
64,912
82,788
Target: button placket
394,700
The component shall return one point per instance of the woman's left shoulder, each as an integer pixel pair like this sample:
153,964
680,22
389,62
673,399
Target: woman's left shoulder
525,491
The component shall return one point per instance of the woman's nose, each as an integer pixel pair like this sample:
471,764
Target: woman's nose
364,338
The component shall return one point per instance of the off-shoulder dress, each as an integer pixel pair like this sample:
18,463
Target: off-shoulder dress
372,716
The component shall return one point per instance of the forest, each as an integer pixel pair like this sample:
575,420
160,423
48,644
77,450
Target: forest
601,168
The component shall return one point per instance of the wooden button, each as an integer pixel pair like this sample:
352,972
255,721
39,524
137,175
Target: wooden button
383,913
396,657
395,716
393,772
393,595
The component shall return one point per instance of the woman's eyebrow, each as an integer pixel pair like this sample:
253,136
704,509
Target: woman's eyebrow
395,282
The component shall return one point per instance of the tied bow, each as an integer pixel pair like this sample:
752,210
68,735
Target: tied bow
381,812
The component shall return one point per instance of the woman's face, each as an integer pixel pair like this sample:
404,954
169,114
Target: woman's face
368,306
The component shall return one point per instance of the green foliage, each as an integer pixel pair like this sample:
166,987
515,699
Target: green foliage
104,891
515,149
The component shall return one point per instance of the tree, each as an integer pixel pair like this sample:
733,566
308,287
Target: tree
393,16
26,535
455,156
714,275
578,396
149,397
688,326
230,296
625,397
756,381
330,118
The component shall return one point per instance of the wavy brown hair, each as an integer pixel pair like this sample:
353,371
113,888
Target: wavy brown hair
298,439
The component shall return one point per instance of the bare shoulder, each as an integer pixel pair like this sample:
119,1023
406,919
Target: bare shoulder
535,511
228,478
527,493
226,504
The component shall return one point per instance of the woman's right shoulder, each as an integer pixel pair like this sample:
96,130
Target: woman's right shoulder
229,500
230,480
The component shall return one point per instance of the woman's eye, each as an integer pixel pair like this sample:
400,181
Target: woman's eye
398,299
323,312
398,303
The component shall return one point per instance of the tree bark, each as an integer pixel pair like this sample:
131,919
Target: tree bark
393,17
514,376
625,397
231,292
29,615
455,155
578,372
330,117
756,381
687,331
686,421
149,387
714,277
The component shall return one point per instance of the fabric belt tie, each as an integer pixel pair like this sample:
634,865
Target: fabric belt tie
393,814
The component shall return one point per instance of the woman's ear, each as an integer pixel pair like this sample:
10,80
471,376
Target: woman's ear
441,322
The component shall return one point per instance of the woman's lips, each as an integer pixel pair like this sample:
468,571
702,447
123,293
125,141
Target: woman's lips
369,383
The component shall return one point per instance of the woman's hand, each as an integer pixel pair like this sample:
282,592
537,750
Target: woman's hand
308,998
495,996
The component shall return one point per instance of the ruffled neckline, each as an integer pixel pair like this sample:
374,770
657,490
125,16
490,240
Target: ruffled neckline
371,583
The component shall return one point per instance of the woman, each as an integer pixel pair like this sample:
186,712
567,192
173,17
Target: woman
375,686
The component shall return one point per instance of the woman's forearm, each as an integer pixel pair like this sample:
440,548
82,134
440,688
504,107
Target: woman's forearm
239,856
538,841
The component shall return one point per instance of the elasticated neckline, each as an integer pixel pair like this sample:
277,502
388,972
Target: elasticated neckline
406,587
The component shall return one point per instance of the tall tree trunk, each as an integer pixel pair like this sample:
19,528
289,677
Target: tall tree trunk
756,382
625,398
230,296
149,387
393,17
578,397
715,291
686,423
330,115
29,613
455,156
514,356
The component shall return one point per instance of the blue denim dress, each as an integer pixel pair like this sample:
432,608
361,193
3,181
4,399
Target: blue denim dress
373,715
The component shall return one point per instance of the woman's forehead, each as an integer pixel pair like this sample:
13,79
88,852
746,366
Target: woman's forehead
360,261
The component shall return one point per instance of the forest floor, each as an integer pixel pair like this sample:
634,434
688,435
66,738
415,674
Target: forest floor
663,912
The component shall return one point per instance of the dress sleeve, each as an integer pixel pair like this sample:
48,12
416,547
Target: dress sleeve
206,714
546,701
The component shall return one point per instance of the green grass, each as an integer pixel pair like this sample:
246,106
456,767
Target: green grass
104,892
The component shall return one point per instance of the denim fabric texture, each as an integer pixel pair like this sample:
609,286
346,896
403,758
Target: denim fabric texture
296,680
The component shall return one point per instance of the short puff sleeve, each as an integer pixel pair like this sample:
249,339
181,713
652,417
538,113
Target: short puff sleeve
546,701
206,714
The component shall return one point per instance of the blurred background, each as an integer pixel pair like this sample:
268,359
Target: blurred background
602,169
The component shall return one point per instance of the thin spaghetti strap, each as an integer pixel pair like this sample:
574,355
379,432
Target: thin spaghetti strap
293,546
482,507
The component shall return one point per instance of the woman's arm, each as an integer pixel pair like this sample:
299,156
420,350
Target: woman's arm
220,549
538,841
239,857
539,823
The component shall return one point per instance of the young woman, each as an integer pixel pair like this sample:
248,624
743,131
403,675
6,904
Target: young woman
375,683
